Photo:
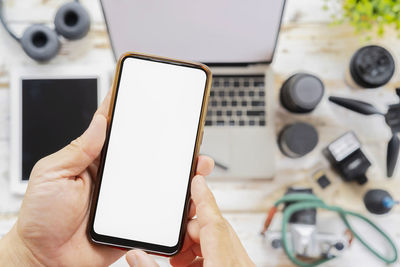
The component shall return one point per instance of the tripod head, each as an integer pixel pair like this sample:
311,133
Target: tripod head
392,118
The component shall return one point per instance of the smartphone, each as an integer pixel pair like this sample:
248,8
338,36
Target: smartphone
157,114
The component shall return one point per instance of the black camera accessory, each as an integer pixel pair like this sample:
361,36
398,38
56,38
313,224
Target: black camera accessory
372,66
378,201
321,179
306,216
347,158
301,93
42,43
392,120
298,139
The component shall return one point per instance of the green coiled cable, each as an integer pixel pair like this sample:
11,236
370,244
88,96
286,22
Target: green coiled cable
308,201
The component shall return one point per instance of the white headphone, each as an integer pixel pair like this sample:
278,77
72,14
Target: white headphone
42,43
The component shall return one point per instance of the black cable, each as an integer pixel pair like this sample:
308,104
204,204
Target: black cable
5,23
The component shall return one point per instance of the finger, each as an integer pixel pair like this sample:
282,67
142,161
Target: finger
139,258
183,258
76,157
187,243
102,110
213,230
193,230
206,207
197,263
186,257
192,210
197,250
105,105
92,168
205,165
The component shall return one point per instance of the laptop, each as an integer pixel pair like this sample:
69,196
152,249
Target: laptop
237,40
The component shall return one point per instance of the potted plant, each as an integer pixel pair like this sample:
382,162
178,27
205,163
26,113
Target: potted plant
367,15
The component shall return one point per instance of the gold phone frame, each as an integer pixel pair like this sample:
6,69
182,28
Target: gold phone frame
125,243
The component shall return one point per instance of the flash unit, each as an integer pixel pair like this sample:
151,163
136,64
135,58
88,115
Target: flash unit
347,158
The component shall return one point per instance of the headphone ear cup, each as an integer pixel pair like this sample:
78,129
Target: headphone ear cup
72,21
40,42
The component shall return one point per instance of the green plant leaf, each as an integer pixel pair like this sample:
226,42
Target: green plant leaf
366,15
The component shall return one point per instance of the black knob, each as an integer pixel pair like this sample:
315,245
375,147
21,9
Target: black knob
339,246
378,201
276,243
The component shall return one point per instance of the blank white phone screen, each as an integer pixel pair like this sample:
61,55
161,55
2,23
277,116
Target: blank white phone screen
150,152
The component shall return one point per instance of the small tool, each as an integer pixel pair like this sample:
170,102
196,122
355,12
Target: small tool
392,118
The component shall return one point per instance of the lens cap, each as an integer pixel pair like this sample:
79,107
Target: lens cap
301,93
372,66
297,140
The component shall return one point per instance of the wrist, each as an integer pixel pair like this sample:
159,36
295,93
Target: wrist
14,252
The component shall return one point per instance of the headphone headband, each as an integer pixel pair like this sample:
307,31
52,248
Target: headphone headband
4,23
41,42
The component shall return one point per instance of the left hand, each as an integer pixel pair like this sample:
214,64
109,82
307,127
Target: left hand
52,223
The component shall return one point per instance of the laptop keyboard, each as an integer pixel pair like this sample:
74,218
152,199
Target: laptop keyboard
237,101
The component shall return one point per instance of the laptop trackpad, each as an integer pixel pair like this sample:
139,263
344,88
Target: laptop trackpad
217,144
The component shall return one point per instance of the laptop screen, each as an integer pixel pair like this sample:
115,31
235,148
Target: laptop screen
208,31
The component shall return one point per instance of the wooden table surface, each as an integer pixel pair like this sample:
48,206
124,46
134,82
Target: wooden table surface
307,43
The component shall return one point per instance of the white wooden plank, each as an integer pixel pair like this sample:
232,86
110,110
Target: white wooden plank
248,226
261,252
259,249
9,202
245,196
329,125
328,128
309,11
323,49
4,114
93,49
307,43
43,11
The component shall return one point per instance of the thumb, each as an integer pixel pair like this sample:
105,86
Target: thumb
139,258
214,232
80,153
206,207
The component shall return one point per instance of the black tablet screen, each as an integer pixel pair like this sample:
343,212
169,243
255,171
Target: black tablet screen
54,112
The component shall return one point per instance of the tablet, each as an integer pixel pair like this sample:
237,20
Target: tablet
48,111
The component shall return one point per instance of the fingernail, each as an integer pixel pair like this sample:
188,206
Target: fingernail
199,178
131,258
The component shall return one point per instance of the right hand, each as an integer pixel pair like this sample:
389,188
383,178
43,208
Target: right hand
210,240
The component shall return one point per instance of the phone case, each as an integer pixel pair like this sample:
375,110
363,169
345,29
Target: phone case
128,244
